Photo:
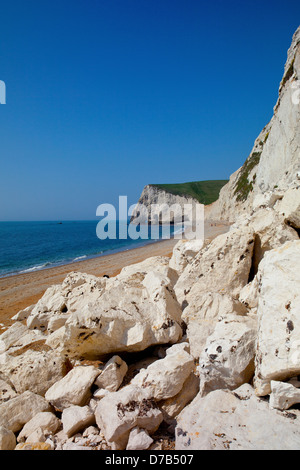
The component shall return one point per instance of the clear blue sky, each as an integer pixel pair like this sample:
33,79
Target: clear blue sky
106,96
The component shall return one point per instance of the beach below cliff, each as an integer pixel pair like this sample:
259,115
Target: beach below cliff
22,290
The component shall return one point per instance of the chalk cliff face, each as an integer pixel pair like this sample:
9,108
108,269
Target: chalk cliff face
274,163
273,166
151,196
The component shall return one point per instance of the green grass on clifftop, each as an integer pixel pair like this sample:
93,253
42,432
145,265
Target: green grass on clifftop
206,192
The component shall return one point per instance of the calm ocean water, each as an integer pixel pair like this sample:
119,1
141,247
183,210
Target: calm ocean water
31,246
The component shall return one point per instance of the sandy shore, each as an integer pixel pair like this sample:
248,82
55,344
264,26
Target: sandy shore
20,291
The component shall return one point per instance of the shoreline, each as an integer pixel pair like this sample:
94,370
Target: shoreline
79,259
21,290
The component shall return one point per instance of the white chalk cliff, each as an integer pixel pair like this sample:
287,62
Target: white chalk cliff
154,196
274,163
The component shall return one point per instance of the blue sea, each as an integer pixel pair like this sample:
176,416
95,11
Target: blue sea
31,246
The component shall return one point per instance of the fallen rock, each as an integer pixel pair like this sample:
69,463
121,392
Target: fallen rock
58,440
223,267
36,437
100,393
161,294
289,207
132,313
202,321
249,294
17,337
174,405
112,374
15,413
6,392
165,378
71,446
34,446
59,301
278,342
76,418
90,431
36,371
227,360
271,232
120,412
23,314
74,388
235,420
283,395
47,422
136,367
157,264
52,302
184,253
7,439
139,439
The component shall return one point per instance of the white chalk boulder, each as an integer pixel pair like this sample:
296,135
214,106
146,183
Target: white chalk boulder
119,412
74,388
278,342
235,420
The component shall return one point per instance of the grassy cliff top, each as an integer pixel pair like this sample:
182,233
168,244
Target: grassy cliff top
206,192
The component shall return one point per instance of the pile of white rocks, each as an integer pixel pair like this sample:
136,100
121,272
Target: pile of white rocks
203,349
63,382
